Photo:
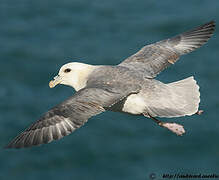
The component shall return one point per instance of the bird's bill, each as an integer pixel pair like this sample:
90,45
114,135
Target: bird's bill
57,80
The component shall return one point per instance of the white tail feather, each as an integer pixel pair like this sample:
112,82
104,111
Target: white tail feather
175,99
188,95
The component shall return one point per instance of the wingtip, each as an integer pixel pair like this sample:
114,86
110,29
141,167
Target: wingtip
196,37
18,146
213,22
10,146
210,24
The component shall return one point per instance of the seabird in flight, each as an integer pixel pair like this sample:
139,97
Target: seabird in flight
128,87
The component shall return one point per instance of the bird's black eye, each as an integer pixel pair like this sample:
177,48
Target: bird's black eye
67,70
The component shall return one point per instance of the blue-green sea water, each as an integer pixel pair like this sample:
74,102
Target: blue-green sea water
38,37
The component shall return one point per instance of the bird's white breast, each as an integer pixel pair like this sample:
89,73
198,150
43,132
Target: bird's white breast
134,104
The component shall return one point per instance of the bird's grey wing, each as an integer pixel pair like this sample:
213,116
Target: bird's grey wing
154,58
69,115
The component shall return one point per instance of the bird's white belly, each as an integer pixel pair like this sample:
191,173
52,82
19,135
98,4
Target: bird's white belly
134,104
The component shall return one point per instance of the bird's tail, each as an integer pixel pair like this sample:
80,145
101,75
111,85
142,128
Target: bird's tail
176,99
187,94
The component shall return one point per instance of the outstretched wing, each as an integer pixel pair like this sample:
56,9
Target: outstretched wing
154,58
64,118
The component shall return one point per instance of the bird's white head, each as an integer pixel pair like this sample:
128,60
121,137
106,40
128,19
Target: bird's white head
73,74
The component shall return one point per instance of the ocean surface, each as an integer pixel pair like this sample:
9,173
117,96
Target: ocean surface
38,37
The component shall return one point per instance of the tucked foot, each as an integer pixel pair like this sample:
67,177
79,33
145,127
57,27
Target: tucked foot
199,112
175,128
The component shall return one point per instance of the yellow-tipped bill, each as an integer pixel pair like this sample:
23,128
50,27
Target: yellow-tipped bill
53,83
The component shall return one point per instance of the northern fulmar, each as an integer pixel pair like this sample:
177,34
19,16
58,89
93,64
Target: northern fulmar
128,87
